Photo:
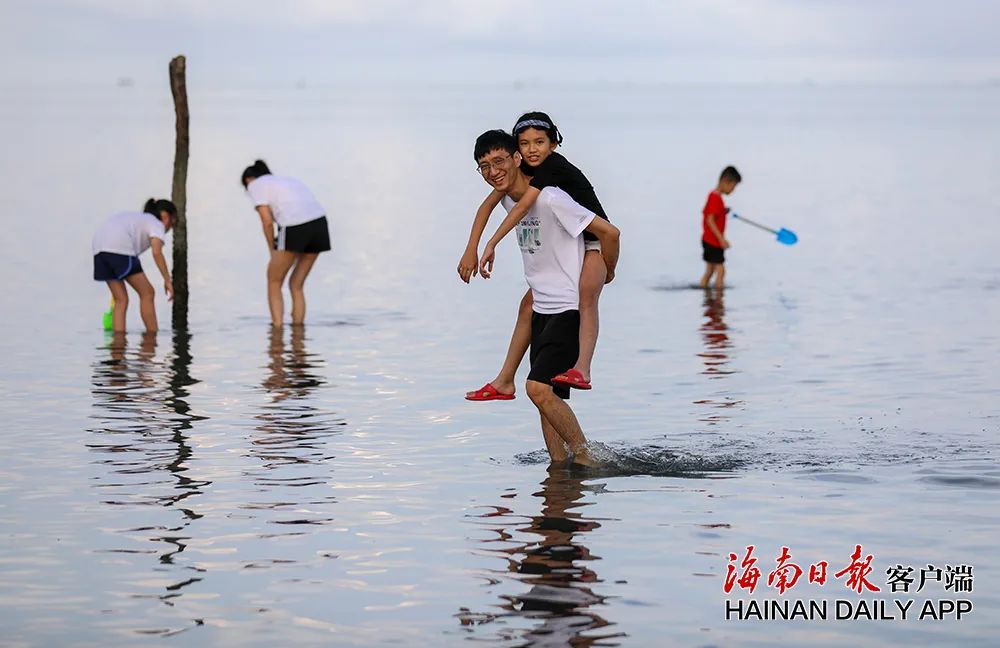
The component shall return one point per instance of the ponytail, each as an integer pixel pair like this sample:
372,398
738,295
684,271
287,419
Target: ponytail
155,207
255,170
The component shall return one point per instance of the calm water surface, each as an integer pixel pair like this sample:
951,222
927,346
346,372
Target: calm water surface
329,486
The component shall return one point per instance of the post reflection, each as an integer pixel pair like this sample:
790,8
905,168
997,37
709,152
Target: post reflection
716,353
555,564
141,438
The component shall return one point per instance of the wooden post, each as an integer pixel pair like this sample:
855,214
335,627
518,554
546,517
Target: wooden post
178,86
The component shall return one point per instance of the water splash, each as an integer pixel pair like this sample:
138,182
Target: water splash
623,460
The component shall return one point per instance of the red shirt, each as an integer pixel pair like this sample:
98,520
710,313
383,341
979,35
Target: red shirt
713,205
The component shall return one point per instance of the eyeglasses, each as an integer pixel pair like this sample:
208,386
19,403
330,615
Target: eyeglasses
497,164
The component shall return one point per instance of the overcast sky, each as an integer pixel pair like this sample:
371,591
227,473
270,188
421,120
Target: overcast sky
235,42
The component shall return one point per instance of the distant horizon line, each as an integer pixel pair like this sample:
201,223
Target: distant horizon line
125,83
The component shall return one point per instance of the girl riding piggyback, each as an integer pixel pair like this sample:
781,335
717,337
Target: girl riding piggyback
538,138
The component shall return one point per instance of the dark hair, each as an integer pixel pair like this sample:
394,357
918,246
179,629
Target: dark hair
154,207
730,173
494,140
547,125
255,170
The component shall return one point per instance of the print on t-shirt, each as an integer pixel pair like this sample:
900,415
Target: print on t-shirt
551,245
529,234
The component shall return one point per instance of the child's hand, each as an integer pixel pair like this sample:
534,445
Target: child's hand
610,277
468,265
168,287
486,261
725,244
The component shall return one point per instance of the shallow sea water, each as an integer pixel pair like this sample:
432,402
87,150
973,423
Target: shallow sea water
329,486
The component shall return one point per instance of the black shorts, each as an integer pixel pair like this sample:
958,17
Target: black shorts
555,347
712,254
109,266
312,237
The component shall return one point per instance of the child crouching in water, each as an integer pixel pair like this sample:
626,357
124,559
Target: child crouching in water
117,245
538,137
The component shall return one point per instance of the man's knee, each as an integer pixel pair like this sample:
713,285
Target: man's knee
538,392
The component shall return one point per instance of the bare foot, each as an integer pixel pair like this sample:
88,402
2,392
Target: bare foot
582,458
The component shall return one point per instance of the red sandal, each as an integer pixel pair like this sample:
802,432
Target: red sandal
572,378
487,393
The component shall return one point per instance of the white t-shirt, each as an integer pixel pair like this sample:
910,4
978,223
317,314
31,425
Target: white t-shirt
290,200
552,249
128,233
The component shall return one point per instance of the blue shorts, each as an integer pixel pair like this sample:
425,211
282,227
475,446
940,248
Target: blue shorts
109,266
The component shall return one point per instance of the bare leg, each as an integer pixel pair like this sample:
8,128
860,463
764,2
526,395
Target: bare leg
553,442
520,340
281,262
296,284
720,275
705,278
147,295
120,295
591,283
562,419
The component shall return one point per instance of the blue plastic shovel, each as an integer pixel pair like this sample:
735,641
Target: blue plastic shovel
785,236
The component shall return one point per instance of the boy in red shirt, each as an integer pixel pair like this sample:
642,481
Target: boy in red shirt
713,232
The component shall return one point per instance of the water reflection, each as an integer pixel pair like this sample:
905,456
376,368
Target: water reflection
291,437
141,436
561,603
715,336
715,353
290,428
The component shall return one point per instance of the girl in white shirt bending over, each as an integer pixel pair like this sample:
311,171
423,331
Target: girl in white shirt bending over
117,245
302,235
